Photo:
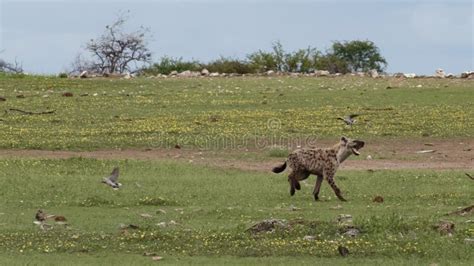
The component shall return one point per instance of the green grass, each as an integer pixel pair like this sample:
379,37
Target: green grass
214,207
227,112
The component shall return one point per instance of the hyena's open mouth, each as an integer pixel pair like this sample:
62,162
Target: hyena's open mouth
358,145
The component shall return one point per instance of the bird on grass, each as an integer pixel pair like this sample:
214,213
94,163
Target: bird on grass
40,218
112,179
343,251
349,120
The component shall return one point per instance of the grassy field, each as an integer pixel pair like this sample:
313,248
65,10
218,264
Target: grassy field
222,113
190,213
213,208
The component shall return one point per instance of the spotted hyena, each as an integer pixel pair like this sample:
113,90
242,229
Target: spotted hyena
320,162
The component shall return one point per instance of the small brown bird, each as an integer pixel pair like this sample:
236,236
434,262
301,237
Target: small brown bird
40,216
343,251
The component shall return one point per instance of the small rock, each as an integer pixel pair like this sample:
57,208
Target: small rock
270,72
378,199
321,73
146,215
268,225
344,218
409,75
2,99
469,241
83,74
309,238
156,258
20,96
214,74
67,94
161,211
337,207
205,72
173,73
439,73
127,76
373,73
445,228
352,232
177,146
369,157
419,86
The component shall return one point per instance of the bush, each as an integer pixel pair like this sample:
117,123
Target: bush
168,64
229,65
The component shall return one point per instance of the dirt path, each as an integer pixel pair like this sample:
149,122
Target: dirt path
389,154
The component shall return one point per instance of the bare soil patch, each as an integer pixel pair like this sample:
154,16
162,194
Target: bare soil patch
386,154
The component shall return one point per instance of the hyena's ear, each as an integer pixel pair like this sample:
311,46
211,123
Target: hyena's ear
343,140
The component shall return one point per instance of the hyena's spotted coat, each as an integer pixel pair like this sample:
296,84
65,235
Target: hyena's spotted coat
320,162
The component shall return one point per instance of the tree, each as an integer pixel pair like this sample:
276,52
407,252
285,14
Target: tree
117,51
359,55
7,67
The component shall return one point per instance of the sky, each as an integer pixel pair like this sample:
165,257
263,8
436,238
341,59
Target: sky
414,36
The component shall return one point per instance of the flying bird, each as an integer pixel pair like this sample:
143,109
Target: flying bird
349,120
112,180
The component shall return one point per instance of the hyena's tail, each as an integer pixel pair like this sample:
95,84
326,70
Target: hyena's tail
280,168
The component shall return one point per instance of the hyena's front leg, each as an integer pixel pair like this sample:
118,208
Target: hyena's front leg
317,186
329,174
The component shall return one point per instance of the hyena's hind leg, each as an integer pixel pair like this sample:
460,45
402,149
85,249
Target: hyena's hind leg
329,174
317,186
294,178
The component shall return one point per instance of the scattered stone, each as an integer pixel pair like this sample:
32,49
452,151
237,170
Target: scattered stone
352,232
84,94
309,238
83,74
445,228
294,208
373,73
321,73
409,75
173,73
343,251
469,241
20,96
188,74
146,215
369,157
127,76
156,258
398,75
378,199
419,86
425,151
67,94
270,72
337,207
463,211
214,74
205,72
268,225
467,74
128,226
439,73
450,75
344,218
